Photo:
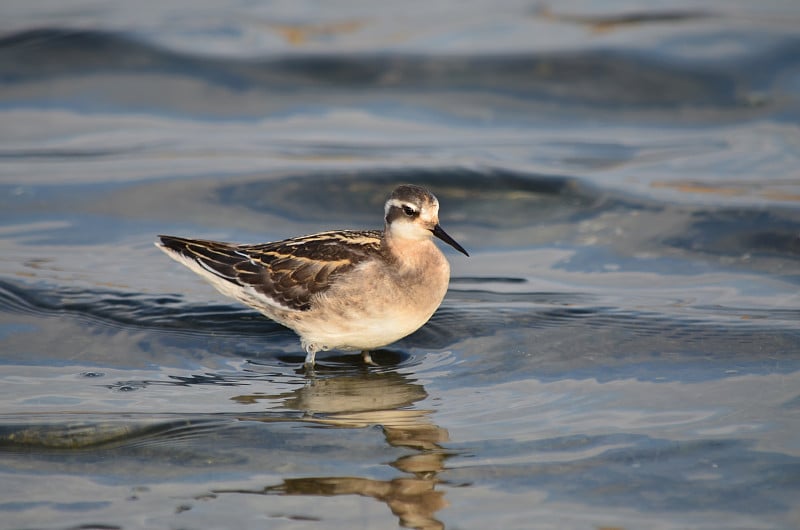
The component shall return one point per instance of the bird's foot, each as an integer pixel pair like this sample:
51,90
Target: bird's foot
368,358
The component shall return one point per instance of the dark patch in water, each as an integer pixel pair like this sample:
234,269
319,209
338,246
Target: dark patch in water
524,199
620,79
135,310
326,361
733,232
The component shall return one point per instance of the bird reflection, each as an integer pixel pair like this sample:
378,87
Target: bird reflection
364,400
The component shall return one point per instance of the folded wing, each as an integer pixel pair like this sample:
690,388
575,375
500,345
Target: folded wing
287,274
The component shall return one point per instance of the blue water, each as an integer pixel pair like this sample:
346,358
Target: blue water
621,350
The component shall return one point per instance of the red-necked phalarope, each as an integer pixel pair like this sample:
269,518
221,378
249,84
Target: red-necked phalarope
344,289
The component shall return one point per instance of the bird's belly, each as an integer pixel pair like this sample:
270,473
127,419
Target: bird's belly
365,326
364,332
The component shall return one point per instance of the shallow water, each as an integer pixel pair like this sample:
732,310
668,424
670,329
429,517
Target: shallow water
621,350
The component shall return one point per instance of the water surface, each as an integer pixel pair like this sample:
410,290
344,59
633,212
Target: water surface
621,350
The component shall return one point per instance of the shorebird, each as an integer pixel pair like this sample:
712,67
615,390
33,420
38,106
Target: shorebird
344,289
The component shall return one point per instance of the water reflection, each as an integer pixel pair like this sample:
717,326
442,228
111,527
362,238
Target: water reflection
343,398
412,500
363,400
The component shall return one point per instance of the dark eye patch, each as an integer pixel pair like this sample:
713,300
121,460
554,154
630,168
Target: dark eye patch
398,212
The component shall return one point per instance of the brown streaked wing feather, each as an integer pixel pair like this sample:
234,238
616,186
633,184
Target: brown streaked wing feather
293,271
288,272
217,257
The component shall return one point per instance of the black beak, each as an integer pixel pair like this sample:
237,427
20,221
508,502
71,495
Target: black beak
441,234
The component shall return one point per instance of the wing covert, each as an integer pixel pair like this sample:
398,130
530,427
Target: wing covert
287,273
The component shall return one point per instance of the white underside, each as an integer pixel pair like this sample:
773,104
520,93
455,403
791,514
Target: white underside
366,334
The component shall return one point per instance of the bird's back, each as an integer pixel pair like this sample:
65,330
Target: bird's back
282,276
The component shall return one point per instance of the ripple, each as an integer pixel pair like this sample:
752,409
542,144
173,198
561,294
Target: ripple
621,79
515,199
467,315
135,310
92,374
746,234
641,465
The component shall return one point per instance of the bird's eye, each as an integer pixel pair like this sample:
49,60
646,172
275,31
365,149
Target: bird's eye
408,210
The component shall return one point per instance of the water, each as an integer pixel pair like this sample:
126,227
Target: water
621,350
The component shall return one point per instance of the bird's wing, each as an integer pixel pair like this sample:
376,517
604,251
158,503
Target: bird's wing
286,273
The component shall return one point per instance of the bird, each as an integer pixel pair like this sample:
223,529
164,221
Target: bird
345,290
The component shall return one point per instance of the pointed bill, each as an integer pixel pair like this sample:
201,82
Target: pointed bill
441,234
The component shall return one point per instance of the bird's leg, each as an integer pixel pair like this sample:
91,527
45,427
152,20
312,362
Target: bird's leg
368,358
311,352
